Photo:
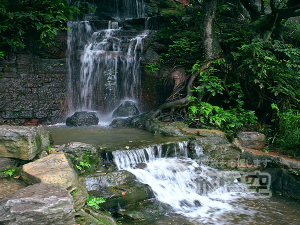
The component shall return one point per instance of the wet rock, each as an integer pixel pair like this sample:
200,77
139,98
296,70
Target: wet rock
147,210
141,166
39,204
167,129
23,142
52,169
284,183
79,195
127,108
84,156
262,159
82,119
113,179
150,56
88,216
217,152
122,195
253,140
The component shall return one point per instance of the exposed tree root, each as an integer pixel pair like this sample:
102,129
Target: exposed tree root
179,103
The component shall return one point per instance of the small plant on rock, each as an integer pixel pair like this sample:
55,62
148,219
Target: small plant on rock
94,201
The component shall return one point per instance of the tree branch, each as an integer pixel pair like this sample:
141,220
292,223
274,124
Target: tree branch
252,8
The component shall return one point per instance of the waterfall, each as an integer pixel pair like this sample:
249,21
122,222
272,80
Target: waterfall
196,191
104,59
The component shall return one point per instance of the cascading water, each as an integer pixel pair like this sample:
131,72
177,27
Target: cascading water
197,192
104,59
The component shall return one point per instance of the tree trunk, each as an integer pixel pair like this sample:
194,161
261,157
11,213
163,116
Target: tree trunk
211,43
212,51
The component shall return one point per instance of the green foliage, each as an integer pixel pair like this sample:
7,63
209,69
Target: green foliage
296,172
85,163
94,201
153,67
212,115
288,132
20,20
273,66
51,150
185,44
73,193
182,39
10,172
216,116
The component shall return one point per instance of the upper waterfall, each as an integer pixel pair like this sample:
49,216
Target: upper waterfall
104,59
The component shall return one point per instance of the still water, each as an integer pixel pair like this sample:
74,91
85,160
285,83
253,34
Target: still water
106,137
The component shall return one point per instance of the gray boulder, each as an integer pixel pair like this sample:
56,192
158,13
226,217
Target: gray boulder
252,140
127,108
23,142
39,204
83,119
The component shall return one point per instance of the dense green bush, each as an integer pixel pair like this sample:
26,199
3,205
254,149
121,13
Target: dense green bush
273,67
232,115
287,134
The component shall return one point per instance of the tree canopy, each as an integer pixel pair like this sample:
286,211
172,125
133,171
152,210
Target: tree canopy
243,57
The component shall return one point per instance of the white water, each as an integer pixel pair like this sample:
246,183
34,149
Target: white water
197,192
109,67
104,59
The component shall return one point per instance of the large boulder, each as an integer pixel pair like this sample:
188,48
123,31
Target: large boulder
127,108
83,118
23,142
39,204
52,169
253,140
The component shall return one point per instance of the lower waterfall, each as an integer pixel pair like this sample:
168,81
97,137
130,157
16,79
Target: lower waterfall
195,191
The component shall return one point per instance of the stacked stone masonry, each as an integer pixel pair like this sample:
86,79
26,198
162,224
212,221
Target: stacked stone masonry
32,88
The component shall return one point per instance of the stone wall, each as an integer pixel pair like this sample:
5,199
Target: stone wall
32,89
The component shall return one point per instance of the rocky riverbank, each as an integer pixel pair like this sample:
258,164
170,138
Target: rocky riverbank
60,179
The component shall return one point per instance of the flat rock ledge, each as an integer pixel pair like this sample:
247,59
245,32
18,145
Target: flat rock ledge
39,204
52,169
22,142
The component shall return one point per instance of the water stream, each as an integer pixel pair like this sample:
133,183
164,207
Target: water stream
190,192
203,195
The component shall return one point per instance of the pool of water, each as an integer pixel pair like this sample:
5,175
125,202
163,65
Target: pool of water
107,137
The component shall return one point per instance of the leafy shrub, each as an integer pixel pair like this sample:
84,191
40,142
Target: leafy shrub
273,67
217,116
288,132
235,117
